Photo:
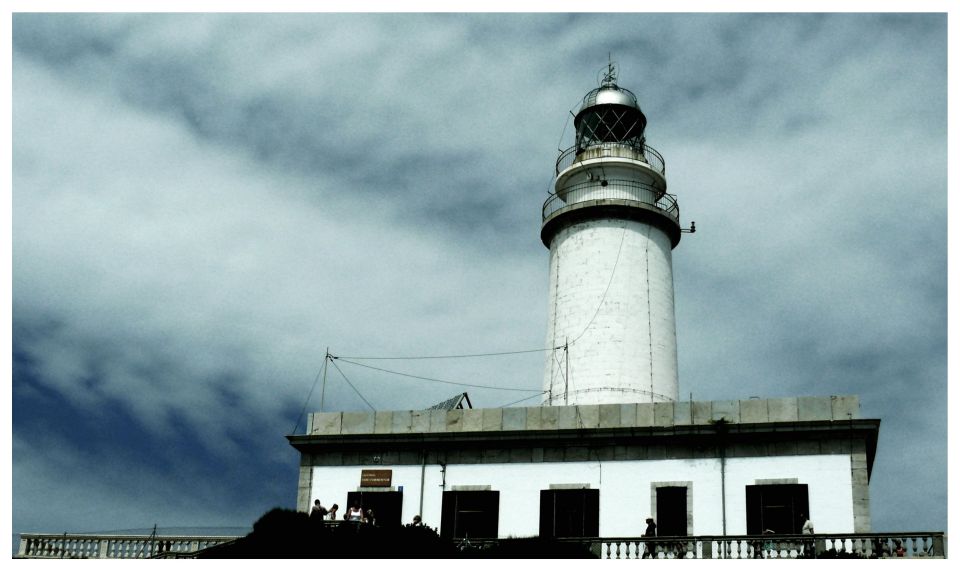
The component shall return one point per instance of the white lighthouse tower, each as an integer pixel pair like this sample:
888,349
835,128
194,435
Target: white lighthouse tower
611,228
625,446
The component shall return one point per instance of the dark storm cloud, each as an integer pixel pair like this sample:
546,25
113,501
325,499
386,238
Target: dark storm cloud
203,203
840,225
340,114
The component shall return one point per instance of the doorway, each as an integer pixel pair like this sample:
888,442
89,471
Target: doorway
470,514
570,513
672,510
776,508
387,506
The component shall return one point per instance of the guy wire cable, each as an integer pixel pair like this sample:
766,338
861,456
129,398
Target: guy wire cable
351,384
521,400
414,358
559,372
426,378
560,142
306,402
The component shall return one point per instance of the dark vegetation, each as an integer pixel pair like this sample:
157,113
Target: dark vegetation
282,533
530,547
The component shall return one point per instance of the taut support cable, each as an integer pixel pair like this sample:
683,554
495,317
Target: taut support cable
446,356
541,393
428,378
322,370
351,384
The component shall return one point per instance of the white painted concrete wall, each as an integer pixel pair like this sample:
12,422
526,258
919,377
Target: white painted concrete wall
829,481
629,351
625,489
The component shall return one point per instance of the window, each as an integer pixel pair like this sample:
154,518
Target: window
671,510
386,506
470,514
569,513
776,507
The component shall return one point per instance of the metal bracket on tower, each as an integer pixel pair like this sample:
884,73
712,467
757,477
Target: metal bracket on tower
691,229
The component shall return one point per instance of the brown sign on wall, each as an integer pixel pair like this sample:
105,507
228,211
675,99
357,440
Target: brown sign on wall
376,478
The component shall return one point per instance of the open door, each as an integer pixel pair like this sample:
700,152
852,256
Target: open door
470,514
672,511
387,506
570,513
777,508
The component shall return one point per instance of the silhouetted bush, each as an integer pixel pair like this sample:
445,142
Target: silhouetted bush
834,554
282,533
278,533
531,548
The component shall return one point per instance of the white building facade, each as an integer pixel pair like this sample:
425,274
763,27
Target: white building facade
613,444
702,468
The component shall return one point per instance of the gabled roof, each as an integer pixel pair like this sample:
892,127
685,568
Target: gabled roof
453,403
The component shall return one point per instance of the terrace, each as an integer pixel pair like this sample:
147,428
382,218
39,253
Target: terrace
903,545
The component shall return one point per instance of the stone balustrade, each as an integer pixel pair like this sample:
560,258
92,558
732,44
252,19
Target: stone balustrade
90,546
819,546
913,545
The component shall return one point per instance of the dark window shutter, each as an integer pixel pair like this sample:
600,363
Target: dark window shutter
546,513
777,507
754,511
470,514
448,515
591,513
802,499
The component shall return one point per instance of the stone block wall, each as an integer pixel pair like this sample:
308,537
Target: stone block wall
664,414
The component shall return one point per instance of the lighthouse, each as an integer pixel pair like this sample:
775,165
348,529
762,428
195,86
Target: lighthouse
611,228
611,443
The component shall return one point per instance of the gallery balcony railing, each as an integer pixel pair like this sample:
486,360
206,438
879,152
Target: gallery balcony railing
640,152
629,192
91,546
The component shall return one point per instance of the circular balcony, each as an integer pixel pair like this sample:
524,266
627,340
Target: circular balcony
641,152
625,191
619,199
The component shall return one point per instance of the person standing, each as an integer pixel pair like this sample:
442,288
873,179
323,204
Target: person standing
318,510
354,513
651,531
807,529
333,512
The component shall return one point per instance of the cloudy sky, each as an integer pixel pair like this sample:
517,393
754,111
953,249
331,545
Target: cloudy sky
202,204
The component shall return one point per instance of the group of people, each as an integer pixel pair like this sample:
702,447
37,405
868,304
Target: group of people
320,512
650,547
884,550
353,513
357,514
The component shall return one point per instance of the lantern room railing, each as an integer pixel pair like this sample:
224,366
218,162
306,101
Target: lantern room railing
641,152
